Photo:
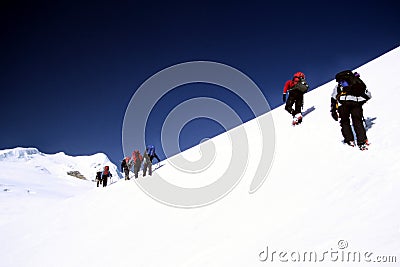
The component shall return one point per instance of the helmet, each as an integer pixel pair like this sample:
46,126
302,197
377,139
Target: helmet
300,75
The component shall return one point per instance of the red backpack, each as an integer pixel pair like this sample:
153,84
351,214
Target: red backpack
137,158
106,170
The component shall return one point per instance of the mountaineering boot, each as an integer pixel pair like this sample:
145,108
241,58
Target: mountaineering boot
297,119
363,145
351,143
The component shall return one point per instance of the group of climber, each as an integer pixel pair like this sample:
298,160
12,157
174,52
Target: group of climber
347,99
136,162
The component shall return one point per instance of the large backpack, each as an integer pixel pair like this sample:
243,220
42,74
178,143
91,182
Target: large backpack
301,85
128,162
355,86
106,170
137,158
125,163
151,150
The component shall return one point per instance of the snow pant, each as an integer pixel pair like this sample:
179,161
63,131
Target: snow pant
126,171
136,169
105,179
147,165
354,110
98,181
295,98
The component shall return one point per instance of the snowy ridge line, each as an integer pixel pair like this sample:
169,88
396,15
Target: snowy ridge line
60,163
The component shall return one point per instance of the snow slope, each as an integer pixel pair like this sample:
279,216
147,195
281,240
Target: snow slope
319,196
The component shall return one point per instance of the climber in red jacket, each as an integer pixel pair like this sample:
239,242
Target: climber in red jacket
296,88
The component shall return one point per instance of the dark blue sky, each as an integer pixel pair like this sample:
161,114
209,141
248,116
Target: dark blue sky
68,69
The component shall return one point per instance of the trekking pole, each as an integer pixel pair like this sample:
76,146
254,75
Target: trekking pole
365,122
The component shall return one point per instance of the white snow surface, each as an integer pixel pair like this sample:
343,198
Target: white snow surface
318,192
31,179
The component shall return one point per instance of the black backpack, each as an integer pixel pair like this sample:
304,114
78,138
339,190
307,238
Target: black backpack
301,85
124,164
355,86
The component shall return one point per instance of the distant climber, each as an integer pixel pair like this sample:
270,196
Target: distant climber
149,154
106,173
137,159
98,178
348,97
147,165
296,88
126,166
